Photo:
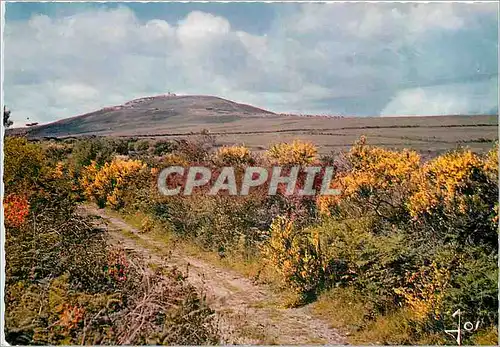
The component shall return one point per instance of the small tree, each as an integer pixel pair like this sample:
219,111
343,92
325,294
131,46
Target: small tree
6,118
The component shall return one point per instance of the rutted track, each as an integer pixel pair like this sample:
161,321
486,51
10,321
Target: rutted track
243,307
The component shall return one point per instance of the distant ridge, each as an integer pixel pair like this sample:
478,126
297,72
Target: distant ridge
147,114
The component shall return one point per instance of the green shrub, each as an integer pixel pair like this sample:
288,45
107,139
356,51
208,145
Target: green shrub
23,165
56,151
142,145
216,223
163,147
100,150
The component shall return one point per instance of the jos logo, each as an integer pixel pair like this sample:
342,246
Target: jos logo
468,327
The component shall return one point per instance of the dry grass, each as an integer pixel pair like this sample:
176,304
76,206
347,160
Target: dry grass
343,309
346,310
487,338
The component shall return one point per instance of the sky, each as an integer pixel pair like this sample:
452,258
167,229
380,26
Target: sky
353,59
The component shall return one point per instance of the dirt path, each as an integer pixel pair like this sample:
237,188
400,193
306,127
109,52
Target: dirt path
244,308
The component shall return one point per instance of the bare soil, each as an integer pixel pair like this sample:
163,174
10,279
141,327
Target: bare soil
247,311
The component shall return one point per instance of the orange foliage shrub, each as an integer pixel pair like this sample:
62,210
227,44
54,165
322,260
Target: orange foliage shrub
16,209
70,316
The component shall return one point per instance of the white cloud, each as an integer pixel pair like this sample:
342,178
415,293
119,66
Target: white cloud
314,58
479,97
421,18
198,27
77,91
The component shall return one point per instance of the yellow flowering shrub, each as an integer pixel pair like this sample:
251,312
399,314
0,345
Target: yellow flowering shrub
491,162
296,153
106,184
233,155
296,256
378,177
58,171
147,224
174,159
426,290
448,181
24,165
491,169
325,203
87,179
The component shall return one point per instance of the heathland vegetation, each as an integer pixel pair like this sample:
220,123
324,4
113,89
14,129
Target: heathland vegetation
407,243
65,284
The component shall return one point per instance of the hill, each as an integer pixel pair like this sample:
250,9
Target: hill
150,114
183,116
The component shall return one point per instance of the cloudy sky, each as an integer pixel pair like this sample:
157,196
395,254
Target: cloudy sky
64,59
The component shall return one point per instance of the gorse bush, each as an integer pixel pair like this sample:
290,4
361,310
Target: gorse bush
457,195
378,181
23,165
295,153
298,257
455,191
233,155
425,291
106,185
27,175
173,159
442,214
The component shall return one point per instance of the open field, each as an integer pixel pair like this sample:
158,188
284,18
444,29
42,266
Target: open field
424,139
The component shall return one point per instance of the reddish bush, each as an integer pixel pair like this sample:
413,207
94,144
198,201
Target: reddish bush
16,208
